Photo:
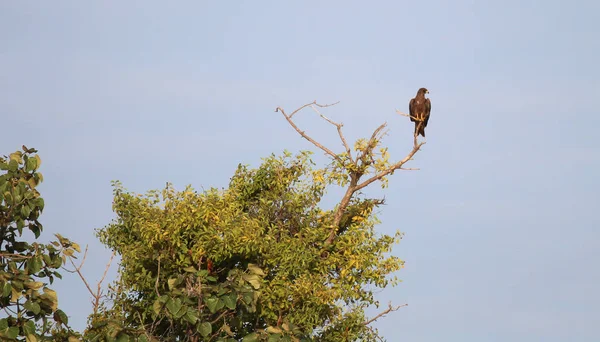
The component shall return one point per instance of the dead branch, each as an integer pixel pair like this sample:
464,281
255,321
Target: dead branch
338,126
383,313
354,175
391,169
304,135
98,294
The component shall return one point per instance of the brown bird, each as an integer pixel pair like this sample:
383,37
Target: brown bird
419,108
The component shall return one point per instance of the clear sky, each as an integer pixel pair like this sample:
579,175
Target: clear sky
502,235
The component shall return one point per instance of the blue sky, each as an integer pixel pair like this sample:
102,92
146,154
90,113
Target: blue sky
502,240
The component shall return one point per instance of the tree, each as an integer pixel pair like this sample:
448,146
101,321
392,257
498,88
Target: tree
258,261
26,269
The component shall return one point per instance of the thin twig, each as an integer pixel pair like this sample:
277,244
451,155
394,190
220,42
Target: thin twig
99,291
383,313
16,256
157,277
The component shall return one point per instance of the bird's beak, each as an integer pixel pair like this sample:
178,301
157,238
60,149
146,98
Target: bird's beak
427,92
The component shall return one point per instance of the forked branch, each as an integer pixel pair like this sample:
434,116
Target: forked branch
383,313
97,295
358,167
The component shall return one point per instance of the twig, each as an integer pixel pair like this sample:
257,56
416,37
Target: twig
16,256
99,291
157,277
383,313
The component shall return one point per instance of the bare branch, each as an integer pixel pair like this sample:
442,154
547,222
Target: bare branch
99,289
391,169
354,174
98,294
408,115
383,313
304,135
337,125
78,270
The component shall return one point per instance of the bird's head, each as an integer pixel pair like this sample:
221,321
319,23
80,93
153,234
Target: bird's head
423,91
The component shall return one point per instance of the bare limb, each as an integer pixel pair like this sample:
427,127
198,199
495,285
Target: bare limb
408,115
304,135
337,125
391,169
383,313
98,294
365,158
77,269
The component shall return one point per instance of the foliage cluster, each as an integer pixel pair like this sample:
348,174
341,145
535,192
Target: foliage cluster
26,269
245,263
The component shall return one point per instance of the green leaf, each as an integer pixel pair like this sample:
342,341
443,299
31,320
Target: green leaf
255,270
31,164
34,265
250,338
7,290
191,317
174,306
13,165
274,338
10,333
60,317
230,301
190,269
205,329
29,328
25,211
212,303
253,279
157,306
171,282
123,338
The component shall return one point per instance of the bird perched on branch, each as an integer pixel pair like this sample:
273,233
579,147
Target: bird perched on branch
419,109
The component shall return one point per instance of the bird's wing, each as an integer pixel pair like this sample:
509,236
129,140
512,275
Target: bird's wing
411,109
427,111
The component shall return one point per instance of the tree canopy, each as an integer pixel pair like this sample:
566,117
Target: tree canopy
260,260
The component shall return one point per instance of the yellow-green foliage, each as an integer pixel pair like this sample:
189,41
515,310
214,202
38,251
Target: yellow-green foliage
29,306
245,262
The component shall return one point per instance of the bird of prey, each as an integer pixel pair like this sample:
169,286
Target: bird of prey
419,109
